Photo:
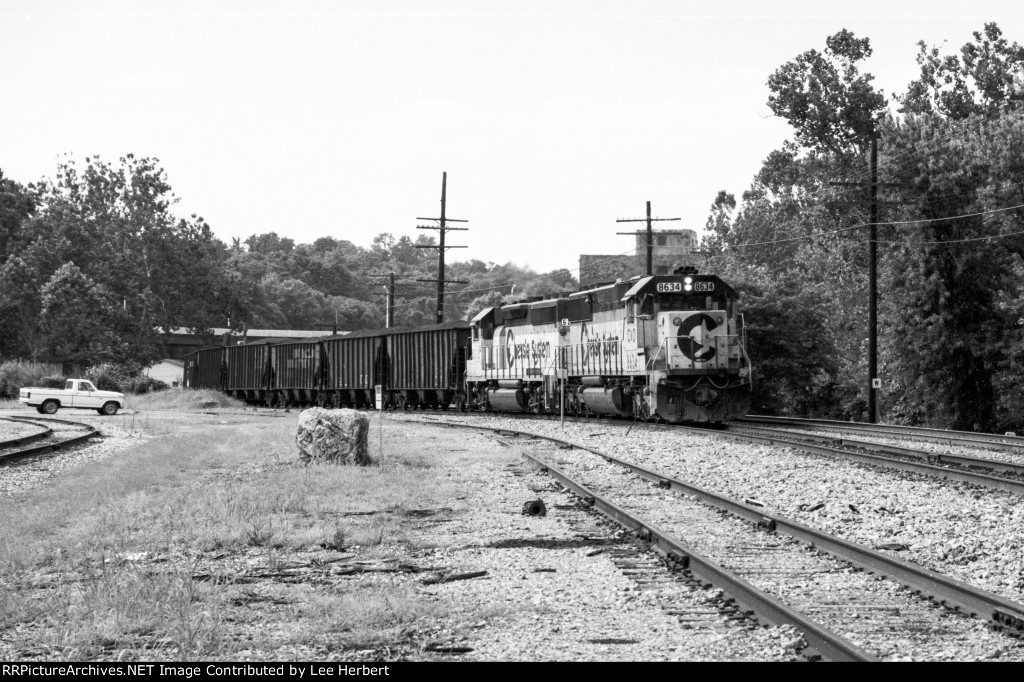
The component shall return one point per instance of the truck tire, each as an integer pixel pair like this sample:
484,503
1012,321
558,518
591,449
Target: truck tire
39,409
50,407
109,409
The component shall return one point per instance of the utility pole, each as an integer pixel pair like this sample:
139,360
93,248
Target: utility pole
389,289
650,234
442,227
874,382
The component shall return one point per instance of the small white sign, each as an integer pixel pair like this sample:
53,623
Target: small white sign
563,373
876,383
378,390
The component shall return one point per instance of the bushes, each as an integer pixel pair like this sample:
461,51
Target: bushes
126,378
110,377
143,384
17,374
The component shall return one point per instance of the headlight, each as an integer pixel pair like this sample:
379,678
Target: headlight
687,287
688,280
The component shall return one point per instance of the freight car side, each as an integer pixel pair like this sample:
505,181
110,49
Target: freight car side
249,374
296,366
351,366
428,365
206,368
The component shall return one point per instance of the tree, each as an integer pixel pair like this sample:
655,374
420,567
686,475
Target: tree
115,222
719,223
16,206
955,324
986,78
78,321
826,99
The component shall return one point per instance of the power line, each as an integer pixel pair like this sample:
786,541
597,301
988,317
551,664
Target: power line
890,223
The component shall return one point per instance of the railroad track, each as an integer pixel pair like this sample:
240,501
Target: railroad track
1007,442
36,435
760,560
991,473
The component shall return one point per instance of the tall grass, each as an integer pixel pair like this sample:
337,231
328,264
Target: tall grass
181,399
121,559
17,374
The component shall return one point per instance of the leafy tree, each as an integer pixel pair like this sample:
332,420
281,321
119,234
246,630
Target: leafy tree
955,323
985,78
20,305
794,358
16,206
116,222
490,299
77,319
826,99
269,244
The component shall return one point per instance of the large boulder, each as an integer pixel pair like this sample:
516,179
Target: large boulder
333,436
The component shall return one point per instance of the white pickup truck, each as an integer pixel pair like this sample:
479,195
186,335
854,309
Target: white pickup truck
77,393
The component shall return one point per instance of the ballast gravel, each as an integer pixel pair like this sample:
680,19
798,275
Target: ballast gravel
117,434
971,533
870,612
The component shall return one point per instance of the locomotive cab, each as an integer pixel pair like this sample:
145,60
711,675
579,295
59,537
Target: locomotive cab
693,341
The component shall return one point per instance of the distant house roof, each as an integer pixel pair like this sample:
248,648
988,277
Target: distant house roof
263,333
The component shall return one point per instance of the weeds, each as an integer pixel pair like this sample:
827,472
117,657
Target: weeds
93,565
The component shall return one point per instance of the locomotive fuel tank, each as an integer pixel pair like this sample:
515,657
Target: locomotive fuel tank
610,400
508,399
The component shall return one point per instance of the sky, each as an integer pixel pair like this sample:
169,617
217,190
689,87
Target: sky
552,119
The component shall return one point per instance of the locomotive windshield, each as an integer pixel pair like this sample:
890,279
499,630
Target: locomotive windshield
695,301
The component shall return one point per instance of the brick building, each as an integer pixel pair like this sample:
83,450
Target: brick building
672,249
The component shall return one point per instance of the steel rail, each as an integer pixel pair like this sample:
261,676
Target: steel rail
679,556
996,482
31,438
819,638
935,435
948,591
962,460
91,432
